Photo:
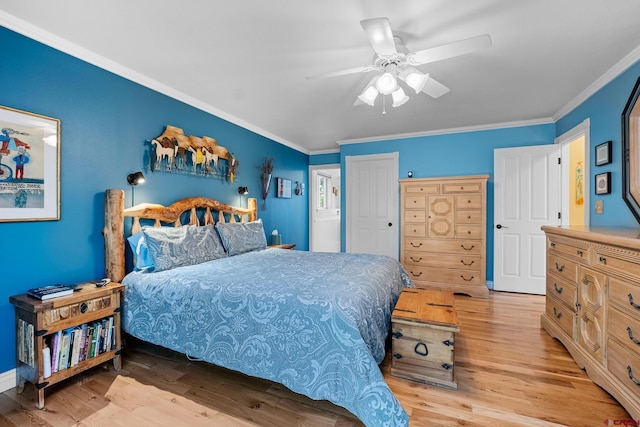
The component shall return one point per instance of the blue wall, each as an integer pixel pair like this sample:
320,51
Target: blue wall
105,122
467,153
604,110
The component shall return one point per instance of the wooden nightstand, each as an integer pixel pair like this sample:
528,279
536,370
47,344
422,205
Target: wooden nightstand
284,246
91,315
423,326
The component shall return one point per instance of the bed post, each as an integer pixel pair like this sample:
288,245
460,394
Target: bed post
114,234
252,203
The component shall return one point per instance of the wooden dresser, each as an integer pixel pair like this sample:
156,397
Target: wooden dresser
443,233
593,305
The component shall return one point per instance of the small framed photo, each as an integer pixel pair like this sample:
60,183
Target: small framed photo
603,183
283,188
603,153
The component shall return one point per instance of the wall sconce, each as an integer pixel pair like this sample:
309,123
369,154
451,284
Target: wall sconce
243,190
299,189
136,178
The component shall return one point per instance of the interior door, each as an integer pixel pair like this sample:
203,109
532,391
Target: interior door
372,204
526,197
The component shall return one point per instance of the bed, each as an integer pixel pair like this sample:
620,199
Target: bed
314,322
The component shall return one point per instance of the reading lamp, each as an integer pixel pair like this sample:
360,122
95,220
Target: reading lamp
135,179
243,190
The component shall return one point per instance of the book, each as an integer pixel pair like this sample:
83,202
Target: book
51,291
63,358
55,352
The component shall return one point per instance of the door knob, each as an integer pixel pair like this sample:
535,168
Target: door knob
499,226
390,224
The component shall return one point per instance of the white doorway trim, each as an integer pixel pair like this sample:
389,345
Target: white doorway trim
581,130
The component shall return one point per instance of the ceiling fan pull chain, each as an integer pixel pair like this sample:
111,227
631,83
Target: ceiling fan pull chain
384,105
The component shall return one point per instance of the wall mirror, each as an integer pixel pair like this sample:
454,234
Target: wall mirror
631,152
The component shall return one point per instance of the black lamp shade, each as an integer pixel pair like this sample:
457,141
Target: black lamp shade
135,178
243,190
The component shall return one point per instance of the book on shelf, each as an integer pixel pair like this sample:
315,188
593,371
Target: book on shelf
51,291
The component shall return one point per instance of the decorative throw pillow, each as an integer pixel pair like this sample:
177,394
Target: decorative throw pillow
141,257
172,247
240,237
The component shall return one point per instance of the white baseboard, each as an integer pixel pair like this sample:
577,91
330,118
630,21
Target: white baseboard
7,380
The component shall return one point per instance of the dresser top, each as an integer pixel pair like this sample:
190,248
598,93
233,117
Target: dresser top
625,237
443,178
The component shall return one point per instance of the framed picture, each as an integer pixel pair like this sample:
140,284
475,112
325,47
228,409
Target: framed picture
283,188
603,183
603,153
29,166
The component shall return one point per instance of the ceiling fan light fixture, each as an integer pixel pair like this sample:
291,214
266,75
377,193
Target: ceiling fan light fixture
386,83
399,97
369,95
415,79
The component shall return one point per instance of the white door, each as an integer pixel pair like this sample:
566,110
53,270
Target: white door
526,197
324,212
372,204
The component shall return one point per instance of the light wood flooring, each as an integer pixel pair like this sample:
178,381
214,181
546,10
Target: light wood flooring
509,373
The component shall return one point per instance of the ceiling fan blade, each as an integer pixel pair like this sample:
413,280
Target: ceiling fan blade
363,69
380,36
434,88
449,50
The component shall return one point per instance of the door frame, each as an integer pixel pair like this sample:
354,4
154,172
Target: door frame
581,130
351,186
312,196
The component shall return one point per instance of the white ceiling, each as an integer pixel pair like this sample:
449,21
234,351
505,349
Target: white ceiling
246,61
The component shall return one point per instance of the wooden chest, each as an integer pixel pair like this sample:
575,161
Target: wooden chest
423,325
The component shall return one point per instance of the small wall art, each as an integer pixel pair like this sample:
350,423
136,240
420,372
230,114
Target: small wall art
283,188
603,153
29,166
603,183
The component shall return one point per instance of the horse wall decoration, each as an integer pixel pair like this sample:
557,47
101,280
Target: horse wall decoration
173,151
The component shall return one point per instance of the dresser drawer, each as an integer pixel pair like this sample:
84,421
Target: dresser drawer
625,296
562,267
415,202
467,247
462,187
415,230
468,231
562,316
442,275
415,189
422,259
617,261
566,292
422,353
624,365
573,249
60,317
470,201
625,330
411,215
469,217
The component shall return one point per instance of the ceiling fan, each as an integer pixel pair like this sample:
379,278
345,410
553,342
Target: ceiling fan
394,62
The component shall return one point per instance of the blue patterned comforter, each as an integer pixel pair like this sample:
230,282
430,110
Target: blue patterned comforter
314,322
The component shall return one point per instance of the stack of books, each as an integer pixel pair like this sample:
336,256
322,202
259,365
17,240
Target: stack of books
51,291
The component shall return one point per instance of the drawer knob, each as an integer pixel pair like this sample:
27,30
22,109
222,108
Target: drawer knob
421,349
397,355
558,290
468,216
465,279
416,275
630,373
630,332
83,307
603,260
467,249
553,245
448,343
447,366
415,246
560,268
631,303
462,261
397,334
556,313
416,260
579,253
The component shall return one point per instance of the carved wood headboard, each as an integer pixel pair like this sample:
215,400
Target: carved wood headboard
114,213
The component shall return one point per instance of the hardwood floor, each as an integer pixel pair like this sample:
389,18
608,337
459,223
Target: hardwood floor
509,373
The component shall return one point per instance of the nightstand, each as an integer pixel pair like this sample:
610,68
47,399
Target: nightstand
80,331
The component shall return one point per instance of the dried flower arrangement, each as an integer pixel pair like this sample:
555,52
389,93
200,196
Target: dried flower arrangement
265,177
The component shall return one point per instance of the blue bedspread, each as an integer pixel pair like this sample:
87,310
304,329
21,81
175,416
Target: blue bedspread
314,322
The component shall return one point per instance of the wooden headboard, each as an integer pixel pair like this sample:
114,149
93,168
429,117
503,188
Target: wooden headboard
114,213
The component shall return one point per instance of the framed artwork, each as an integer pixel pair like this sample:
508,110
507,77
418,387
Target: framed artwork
29,166
283,188
603,183
603,153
